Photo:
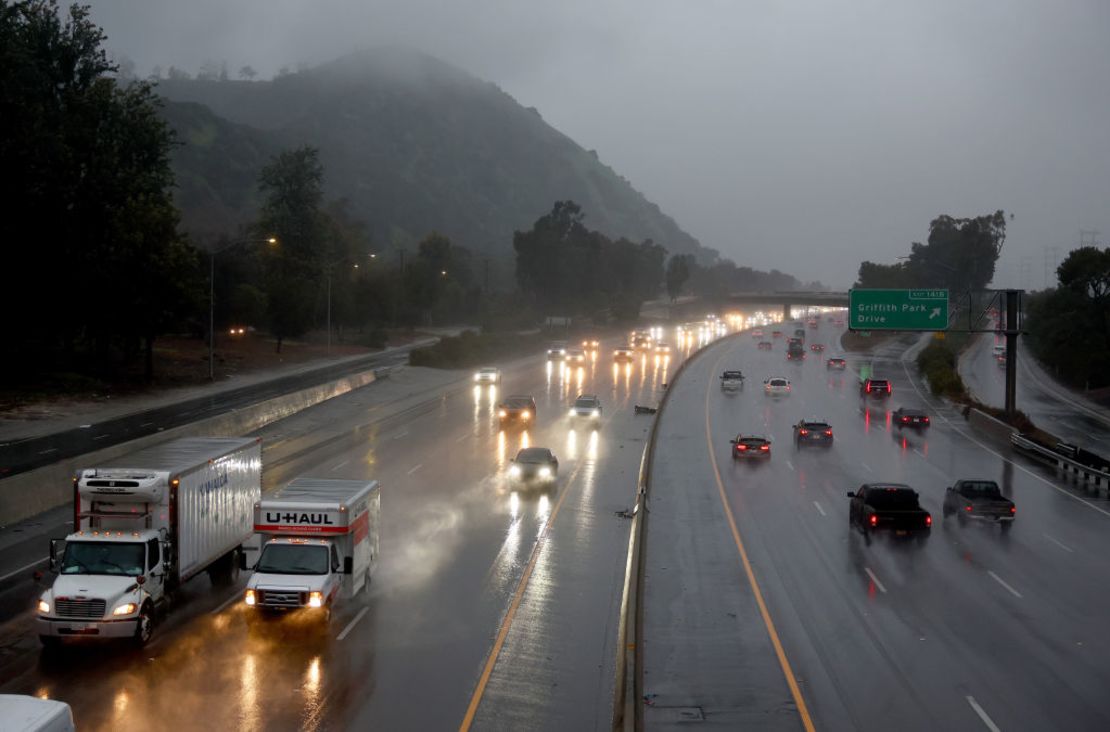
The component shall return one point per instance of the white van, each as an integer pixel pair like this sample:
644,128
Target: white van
20,713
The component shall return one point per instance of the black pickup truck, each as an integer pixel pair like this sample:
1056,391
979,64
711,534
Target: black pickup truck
979,500
888,506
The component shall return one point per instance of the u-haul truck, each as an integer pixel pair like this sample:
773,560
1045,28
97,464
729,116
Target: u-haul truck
319,545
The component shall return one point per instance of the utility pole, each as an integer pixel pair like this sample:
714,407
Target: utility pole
1013,300
1088,237
485,264
329,312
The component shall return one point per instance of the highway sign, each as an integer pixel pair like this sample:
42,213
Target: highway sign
898,309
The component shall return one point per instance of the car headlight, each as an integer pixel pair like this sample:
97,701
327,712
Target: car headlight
316,599
477,377
502,413
525,415
572,413
597,413
515,471
126,608
249,598
545,472
44,607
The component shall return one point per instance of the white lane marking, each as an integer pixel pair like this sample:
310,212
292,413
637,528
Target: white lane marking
351,625
819,509
982,714
789,464
47,450
462,437
146,424
1059,543
867,467
24,568
414,468
340,465
223,605
1022,468
1002,582
101,437
875,579
918,451
399,435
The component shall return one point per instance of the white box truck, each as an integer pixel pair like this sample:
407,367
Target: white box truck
319,545
143,528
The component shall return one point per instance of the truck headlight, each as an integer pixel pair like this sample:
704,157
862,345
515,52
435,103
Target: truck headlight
249,598
545,472
125,609
44,607
315,599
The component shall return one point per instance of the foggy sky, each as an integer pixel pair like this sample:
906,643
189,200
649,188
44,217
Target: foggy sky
795,135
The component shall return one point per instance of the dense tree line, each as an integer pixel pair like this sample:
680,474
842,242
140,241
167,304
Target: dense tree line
1069,326
960,255
95,262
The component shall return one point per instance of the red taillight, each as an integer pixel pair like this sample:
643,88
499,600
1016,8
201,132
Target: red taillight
788,387
828,432
1013,510
928,520
925,419
741,447
868,388
803,432
905,419
874,520
768,447
968,508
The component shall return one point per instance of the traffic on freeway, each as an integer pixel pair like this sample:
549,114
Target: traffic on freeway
900,605
487,572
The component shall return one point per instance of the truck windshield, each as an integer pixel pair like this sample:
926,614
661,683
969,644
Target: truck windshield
102,557
293,559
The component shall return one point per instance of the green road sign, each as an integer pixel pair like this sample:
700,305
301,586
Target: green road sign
898,310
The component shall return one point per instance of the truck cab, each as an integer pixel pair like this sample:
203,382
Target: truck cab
294,573
108,586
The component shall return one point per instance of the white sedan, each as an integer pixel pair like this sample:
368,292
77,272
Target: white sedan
776,386
487,375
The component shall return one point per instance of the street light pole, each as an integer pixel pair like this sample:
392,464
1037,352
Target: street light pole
329,313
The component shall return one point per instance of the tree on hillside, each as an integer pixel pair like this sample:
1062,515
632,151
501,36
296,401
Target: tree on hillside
960,254
87,189
291,186
247,72
678,271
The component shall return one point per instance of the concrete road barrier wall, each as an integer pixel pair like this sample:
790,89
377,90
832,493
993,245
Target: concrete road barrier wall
983,422
35,491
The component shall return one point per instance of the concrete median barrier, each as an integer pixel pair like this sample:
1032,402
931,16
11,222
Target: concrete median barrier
30,493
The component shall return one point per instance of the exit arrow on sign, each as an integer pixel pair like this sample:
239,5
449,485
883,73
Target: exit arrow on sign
934,314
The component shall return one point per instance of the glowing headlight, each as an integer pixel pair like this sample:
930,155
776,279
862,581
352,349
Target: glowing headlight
545,472
515,471
572,412
315,599
477,377
125,609
597,413
525,415
502,413
44,607
249,597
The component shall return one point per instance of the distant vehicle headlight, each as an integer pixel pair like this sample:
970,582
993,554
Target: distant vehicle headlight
316,599
44,607
597,413
249,597
477,377
545,472
525,415
514,471
125,609
502,413
572,413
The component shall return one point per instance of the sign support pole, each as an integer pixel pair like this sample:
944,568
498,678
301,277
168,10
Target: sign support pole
1012,330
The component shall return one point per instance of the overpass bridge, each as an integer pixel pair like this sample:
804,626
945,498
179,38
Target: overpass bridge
790,298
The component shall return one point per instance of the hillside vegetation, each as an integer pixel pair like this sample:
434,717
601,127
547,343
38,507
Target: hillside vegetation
413,143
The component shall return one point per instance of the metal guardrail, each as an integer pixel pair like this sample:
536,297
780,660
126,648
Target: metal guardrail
627,710
1061,462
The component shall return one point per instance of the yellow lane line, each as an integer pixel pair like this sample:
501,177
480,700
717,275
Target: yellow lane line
787,671
518,596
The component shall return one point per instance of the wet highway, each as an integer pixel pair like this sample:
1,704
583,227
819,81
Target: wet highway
491,608
1050,405
762,607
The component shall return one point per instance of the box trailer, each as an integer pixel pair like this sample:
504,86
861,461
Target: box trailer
319,545
145,525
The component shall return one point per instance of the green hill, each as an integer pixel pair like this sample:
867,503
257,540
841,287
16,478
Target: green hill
413,143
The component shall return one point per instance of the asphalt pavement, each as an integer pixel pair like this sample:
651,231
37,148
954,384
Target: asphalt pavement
763,608
1052,406
493,608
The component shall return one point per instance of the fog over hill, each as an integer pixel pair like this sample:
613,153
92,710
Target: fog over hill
413,143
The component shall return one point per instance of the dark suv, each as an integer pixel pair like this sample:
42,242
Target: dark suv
875,388
813,432
517,409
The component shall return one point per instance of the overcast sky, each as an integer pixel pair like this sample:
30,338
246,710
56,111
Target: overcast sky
799,135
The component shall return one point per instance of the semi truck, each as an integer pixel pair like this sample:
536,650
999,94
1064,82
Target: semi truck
319,546
145,525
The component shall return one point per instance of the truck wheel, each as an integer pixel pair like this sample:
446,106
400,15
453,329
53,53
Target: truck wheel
144,629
